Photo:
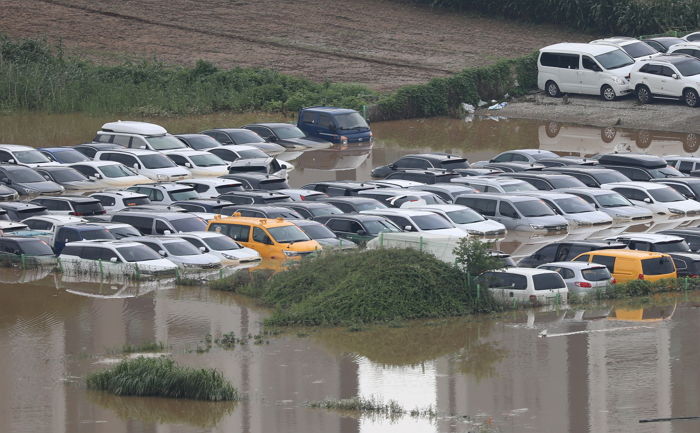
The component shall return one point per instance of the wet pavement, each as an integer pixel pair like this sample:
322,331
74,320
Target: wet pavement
597,370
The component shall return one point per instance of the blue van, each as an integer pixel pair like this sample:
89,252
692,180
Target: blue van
337,125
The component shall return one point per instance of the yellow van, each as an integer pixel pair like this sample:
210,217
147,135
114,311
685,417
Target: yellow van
273,238
627,265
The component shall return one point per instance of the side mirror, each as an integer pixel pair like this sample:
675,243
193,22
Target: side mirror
113,259
647,200
136,165
11,161
46,176
271,139
188,165
162,253
167,232
202,249
362,232
675,77
408,228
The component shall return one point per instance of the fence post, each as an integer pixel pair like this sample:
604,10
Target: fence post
420,244
23,265
381,239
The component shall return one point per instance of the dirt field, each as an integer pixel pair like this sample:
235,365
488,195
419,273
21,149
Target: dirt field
376,42
662,115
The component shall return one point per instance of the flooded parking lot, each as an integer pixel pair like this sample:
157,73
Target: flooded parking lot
598,370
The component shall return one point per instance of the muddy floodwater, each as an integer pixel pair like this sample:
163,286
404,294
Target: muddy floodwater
589,370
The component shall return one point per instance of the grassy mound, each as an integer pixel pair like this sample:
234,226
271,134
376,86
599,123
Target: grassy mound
161,377
365,287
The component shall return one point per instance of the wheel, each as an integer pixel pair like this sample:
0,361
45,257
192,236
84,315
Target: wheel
552,129
608,93
643,95
552,89
690,96
608,134
643,139
691,143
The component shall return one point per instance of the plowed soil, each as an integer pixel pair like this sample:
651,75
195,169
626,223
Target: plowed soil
379,43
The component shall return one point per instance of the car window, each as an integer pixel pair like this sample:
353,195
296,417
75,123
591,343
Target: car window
658,266
548,281
483,206
340,225
667,71
325,121
238,232
589,63
259,235
504,280
507,210
178,159
607,261
685,166
39,225
631,194
651,69
308,116
122,140
413,163
90,253
546,254
162,227
519,158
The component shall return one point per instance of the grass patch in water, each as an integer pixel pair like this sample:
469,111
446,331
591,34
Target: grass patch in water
161,377
148,347
372,406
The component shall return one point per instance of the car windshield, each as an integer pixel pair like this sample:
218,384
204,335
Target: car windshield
573,205
350,121
614,59
138,253
273,184
91,235
124,232
67,174
88,208
612,200
135,201
30,157
35,247
25,175
666,195
672,246
209,160
454,163
287,234
251,154
325,210
291,131
658,266
116,170
318,231
663,172
369,205
518,186
165,142
223,189
688,68
69,156
596,274
374,227
465,216
548,281
183,194
639,49
156,160
431,222
245,136
221,243
533,208
202,142
189,224
181,248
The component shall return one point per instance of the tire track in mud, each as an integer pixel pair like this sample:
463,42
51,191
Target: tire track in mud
258,41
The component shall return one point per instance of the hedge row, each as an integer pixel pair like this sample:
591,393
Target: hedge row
620,17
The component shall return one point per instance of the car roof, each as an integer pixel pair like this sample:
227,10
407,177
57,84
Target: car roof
15,147
535,174
266,222
14,167
686,180
133,127
344,184
633,159
304,222
440,207
56,149
204,201
187,152
191,135
267,207
574,265
82,227
633,254
135,152
226,130
305,204
76,198
499,180
166,215
155,238
690,256
672,58
270,124
496,196
524,271
552,195
98,145
107,242
354,216
198,234
650,237
257,193
346,199
616,40
53,167
129,194
637,184
579,169
590,49
332,110
436,155
408,212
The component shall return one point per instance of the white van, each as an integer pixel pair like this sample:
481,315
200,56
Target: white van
590,69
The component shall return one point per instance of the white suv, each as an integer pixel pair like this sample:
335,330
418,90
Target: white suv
633,47
675,76
689,48
138,135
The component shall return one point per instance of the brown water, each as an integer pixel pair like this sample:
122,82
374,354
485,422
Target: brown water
497,370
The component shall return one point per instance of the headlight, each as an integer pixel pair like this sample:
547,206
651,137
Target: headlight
229,256
676,211
290,253
619,80
537,227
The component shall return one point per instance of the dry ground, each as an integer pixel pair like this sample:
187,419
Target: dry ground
380,43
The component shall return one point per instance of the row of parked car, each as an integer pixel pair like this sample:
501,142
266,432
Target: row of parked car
660,67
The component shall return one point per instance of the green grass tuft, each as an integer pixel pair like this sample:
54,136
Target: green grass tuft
152,346
161,377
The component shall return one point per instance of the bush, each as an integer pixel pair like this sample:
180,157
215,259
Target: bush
161,377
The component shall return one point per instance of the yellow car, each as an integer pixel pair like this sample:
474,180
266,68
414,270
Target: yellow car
627,265
272,238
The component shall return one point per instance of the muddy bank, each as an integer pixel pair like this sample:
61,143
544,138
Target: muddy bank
593,111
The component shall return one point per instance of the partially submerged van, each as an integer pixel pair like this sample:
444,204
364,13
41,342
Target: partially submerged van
589,69
627,265
337,125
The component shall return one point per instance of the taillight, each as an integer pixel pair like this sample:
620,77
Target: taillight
302,197
693,275
75,213
640,277
583,284
613,281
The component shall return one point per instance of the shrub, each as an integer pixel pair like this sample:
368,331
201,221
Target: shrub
161,377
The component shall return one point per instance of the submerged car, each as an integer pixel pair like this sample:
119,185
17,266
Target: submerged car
179,251
222,246
114,257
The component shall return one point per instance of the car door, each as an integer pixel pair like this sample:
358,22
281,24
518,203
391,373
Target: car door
568,73
672,86
650,76
507,215
589,76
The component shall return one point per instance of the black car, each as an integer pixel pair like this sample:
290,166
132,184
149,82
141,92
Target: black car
206,206
258,180
228,136
546,181
424,176
690,234
352,204
663,43
198,141
286,135
639,167
422,161
591,176
687,264
339,188
446,191
254,197
565,251
72,205
90,149
257,165
67,177
688,186
17,210
358,228
510,167
261,211
312,209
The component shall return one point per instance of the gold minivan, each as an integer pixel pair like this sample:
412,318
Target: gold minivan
627,265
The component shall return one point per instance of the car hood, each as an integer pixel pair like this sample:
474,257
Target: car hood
156,265
205,259
449,232
685,205
332,243
269,148
627,211
244,254
482,226
126,181
210,171
81,185
594,217
306,142
42,187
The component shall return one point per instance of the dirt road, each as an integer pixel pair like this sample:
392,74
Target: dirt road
379,43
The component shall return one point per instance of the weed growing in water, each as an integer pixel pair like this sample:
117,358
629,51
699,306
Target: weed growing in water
153,346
